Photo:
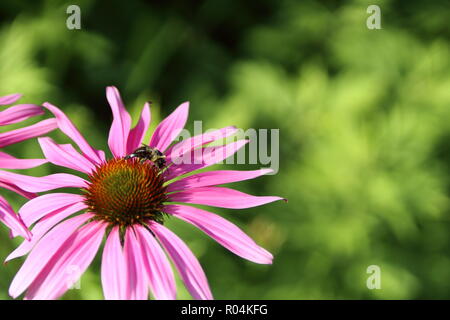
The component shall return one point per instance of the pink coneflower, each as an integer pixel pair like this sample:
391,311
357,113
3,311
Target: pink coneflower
9,116
127,200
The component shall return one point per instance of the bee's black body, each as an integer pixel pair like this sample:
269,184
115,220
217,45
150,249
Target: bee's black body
147,153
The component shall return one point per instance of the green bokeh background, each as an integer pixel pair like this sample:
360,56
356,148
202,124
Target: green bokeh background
363,118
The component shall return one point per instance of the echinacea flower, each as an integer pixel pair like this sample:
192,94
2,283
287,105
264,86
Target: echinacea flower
9,116
127,199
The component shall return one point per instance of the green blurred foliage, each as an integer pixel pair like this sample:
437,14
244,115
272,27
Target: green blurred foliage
363,118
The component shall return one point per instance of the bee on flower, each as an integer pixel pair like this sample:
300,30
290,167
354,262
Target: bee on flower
125,199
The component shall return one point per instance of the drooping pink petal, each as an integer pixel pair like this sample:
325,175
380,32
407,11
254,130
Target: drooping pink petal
9,162
12,220
135,269
65,156
159,271
114,276
43,252
41,184
223,231
68,263
138,132
4,155
185,146
13,188
202,158
170,128
19,113
43,226
43,205
33,131
213,178
186,263
221,197
9,99
120,128
66,126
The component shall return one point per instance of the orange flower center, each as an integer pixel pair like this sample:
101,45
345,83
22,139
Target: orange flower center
126,192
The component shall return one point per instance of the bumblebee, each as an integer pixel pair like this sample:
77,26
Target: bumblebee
147,153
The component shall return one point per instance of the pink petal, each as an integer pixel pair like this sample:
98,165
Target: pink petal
170,128
137,133
159,271
120,128
43,253
202,158
41,206
114,276
68,264
43,226
4,155
223,231
66,126
17,190
12,220
9,99
19,113
221,197
41,184
186,263
135,269
101,155
212,178
9,162
65,156
181,148
33,131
